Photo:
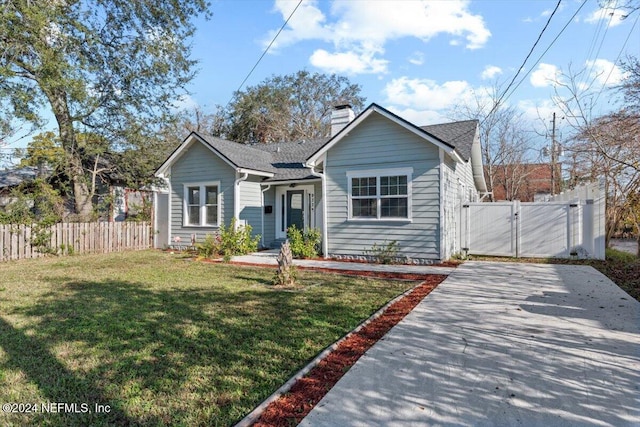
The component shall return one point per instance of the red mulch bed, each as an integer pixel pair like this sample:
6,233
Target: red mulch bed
347,272
293,406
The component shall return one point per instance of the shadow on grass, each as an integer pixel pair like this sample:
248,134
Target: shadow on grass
55,382
172,355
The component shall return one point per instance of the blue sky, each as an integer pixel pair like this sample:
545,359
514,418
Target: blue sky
418,59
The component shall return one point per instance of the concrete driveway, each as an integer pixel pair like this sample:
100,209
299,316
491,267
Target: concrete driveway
501,344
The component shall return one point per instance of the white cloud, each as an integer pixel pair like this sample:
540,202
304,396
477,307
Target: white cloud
424,94
185,103
537,111
420,117
348,62
490,71
417,58
546,75
608,13
605,72
351,27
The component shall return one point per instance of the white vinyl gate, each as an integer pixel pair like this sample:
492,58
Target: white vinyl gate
541,229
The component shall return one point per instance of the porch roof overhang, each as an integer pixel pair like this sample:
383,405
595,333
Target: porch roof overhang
290,181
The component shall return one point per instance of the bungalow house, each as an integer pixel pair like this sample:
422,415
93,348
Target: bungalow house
376,179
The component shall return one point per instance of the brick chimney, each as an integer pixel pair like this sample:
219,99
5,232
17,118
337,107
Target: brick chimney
341,115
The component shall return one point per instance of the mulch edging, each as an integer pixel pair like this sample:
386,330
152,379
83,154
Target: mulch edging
294,400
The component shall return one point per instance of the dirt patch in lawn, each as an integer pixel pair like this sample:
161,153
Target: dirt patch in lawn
292,407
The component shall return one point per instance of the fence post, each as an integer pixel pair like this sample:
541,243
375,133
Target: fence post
518,229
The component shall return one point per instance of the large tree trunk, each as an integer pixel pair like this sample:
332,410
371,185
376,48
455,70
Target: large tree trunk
82,197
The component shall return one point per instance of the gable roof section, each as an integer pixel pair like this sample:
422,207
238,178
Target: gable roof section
375,108
277,161
459,134
238,156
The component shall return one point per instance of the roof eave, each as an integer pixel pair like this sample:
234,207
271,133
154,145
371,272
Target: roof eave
255,172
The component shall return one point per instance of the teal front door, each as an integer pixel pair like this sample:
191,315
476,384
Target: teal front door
295,209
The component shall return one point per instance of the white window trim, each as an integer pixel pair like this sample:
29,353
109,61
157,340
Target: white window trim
203,216
377,173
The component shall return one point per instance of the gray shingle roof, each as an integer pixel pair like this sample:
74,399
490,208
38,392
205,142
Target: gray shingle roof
241,155
16,176
286,159
459,134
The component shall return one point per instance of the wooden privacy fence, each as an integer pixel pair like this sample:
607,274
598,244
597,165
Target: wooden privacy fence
22,241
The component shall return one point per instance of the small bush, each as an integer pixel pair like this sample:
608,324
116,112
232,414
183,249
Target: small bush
386,253
237,240
304,244
229,241
209,247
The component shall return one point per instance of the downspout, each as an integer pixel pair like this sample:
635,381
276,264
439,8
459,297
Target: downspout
262,213
325,233
169,228
441,200
236,196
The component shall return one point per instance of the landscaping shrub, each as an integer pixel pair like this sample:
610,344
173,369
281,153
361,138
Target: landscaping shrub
386,253
209,247
304,244
237,240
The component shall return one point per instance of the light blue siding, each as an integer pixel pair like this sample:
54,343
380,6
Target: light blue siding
378,143
199,164
270,219
251,204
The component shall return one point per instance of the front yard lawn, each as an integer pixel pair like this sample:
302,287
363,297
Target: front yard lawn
157,339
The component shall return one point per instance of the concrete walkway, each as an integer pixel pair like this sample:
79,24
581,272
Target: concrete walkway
501,344
269,258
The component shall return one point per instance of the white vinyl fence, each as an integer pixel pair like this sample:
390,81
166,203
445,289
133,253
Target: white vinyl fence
21,241
570,225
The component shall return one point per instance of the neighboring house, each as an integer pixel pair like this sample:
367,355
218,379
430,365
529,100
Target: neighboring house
378,178
12,178
526,182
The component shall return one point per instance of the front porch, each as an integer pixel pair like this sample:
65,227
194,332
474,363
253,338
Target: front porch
285,204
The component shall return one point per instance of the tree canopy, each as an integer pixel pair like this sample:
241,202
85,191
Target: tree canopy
106,67
288,108
607,146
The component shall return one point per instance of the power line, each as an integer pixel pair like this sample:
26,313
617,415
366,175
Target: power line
264,53
606,30
500,98
548,47
617,58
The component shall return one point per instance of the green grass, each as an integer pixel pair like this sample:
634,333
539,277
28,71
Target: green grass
163,340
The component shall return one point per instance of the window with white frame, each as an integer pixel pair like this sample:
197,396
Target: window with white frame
202,204
380,194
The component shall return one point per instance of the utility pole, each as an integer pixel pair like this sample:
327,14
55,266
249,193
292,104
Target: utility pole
553,154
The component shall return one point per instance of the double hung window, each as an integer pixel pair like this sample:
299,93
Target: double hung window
380,194
202,204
